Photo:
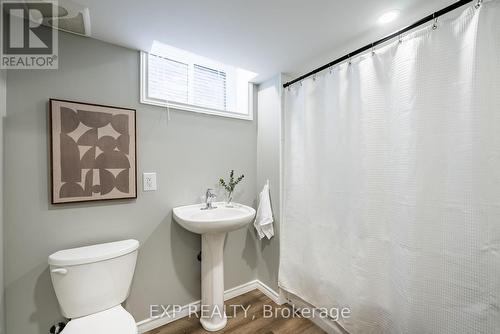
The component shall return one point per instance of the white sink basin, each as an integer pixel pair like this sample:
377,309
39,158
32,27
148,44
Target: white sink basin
220,219
213,225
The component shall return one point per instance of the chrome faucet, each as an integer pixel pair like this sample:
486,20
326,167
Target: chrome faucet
209,197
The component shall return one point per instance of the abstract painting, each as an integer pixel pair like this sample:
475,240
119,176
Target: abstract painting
93,149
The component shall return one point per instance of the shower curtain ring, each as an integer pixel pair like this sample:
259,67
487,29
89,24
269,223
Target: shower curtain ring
478,4
435,25
373,50
350,62
400,39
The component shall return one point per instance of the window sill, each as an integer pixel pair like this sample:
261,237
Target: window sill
197,109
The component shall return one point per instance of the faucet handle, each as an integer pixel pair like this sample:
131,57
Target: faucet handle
210,193
209,196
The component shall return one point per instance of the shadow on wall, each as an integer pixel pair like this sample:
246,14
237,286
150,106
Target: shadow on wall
168,254
185,247
46,303
248,253
269,249
43,297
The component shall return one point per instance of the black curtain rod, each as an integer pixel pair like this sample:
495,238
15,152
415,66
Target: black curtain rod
383,40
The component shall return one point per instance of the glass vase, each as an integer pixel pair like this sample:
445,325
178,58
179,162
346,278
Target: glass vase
229,199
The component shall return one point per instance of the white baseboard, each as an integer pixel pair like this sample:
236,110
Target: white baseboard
152,323
278,298
240,290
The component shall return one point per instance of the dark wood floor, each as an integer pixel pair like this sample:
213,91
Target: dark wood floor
254,323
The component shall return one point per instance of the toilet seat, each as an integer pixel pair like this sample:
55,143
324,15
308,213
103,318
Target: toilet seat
112,321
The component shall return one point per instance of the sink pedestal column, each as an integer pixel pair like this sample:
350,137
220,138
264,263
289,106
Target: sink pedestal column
213,317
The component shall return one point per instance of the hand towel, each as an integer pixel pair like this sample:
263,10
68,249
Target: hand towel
264,218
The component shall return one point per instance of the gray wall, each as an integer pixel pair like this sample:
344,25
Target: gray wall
189,153
3,82
268,167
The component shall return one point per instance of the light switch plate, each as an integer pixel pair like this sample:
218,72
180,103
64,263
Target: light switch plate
149,181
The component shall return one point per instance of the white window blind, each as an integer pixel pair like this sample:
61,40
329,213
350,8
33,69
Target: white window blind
209,88
168,79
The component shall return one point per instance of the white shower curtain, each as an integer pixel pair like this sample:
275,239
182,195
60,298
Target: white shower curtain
392,182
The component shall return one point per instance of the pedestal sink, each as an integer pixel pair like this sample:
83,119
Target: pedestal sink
213,225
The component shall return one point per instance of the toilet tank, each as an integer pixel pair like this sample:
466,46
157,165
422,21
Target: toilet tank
94,278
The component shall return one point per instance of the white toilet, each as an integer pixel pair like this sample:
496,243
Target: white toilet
91,283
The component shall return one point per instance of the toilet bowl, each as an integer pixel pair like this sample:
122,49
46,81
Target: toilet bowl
91,283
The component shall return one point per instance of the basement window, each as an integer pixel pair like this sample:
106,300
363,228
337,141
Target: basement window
179,79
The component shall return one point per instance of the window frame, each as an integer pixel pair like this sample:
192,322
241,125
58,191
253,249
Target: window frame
145,99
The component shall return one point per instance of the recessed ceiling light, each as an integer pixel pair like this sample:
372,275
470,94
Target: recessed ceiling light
388,16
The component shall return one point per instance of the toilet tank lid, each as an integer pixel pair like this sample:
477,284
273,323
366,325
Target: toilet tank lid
94,253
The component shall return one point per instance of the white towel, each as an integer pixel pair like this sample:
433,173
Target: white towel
264,218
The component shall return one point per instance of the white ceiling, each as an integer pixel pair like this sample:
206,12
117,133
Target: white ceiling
264,36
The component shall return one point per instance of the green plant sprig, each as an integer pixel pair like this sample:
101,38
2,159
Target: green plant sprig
229,186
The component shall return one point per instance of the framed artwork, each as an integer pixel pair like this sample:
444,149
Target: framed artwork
93,152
